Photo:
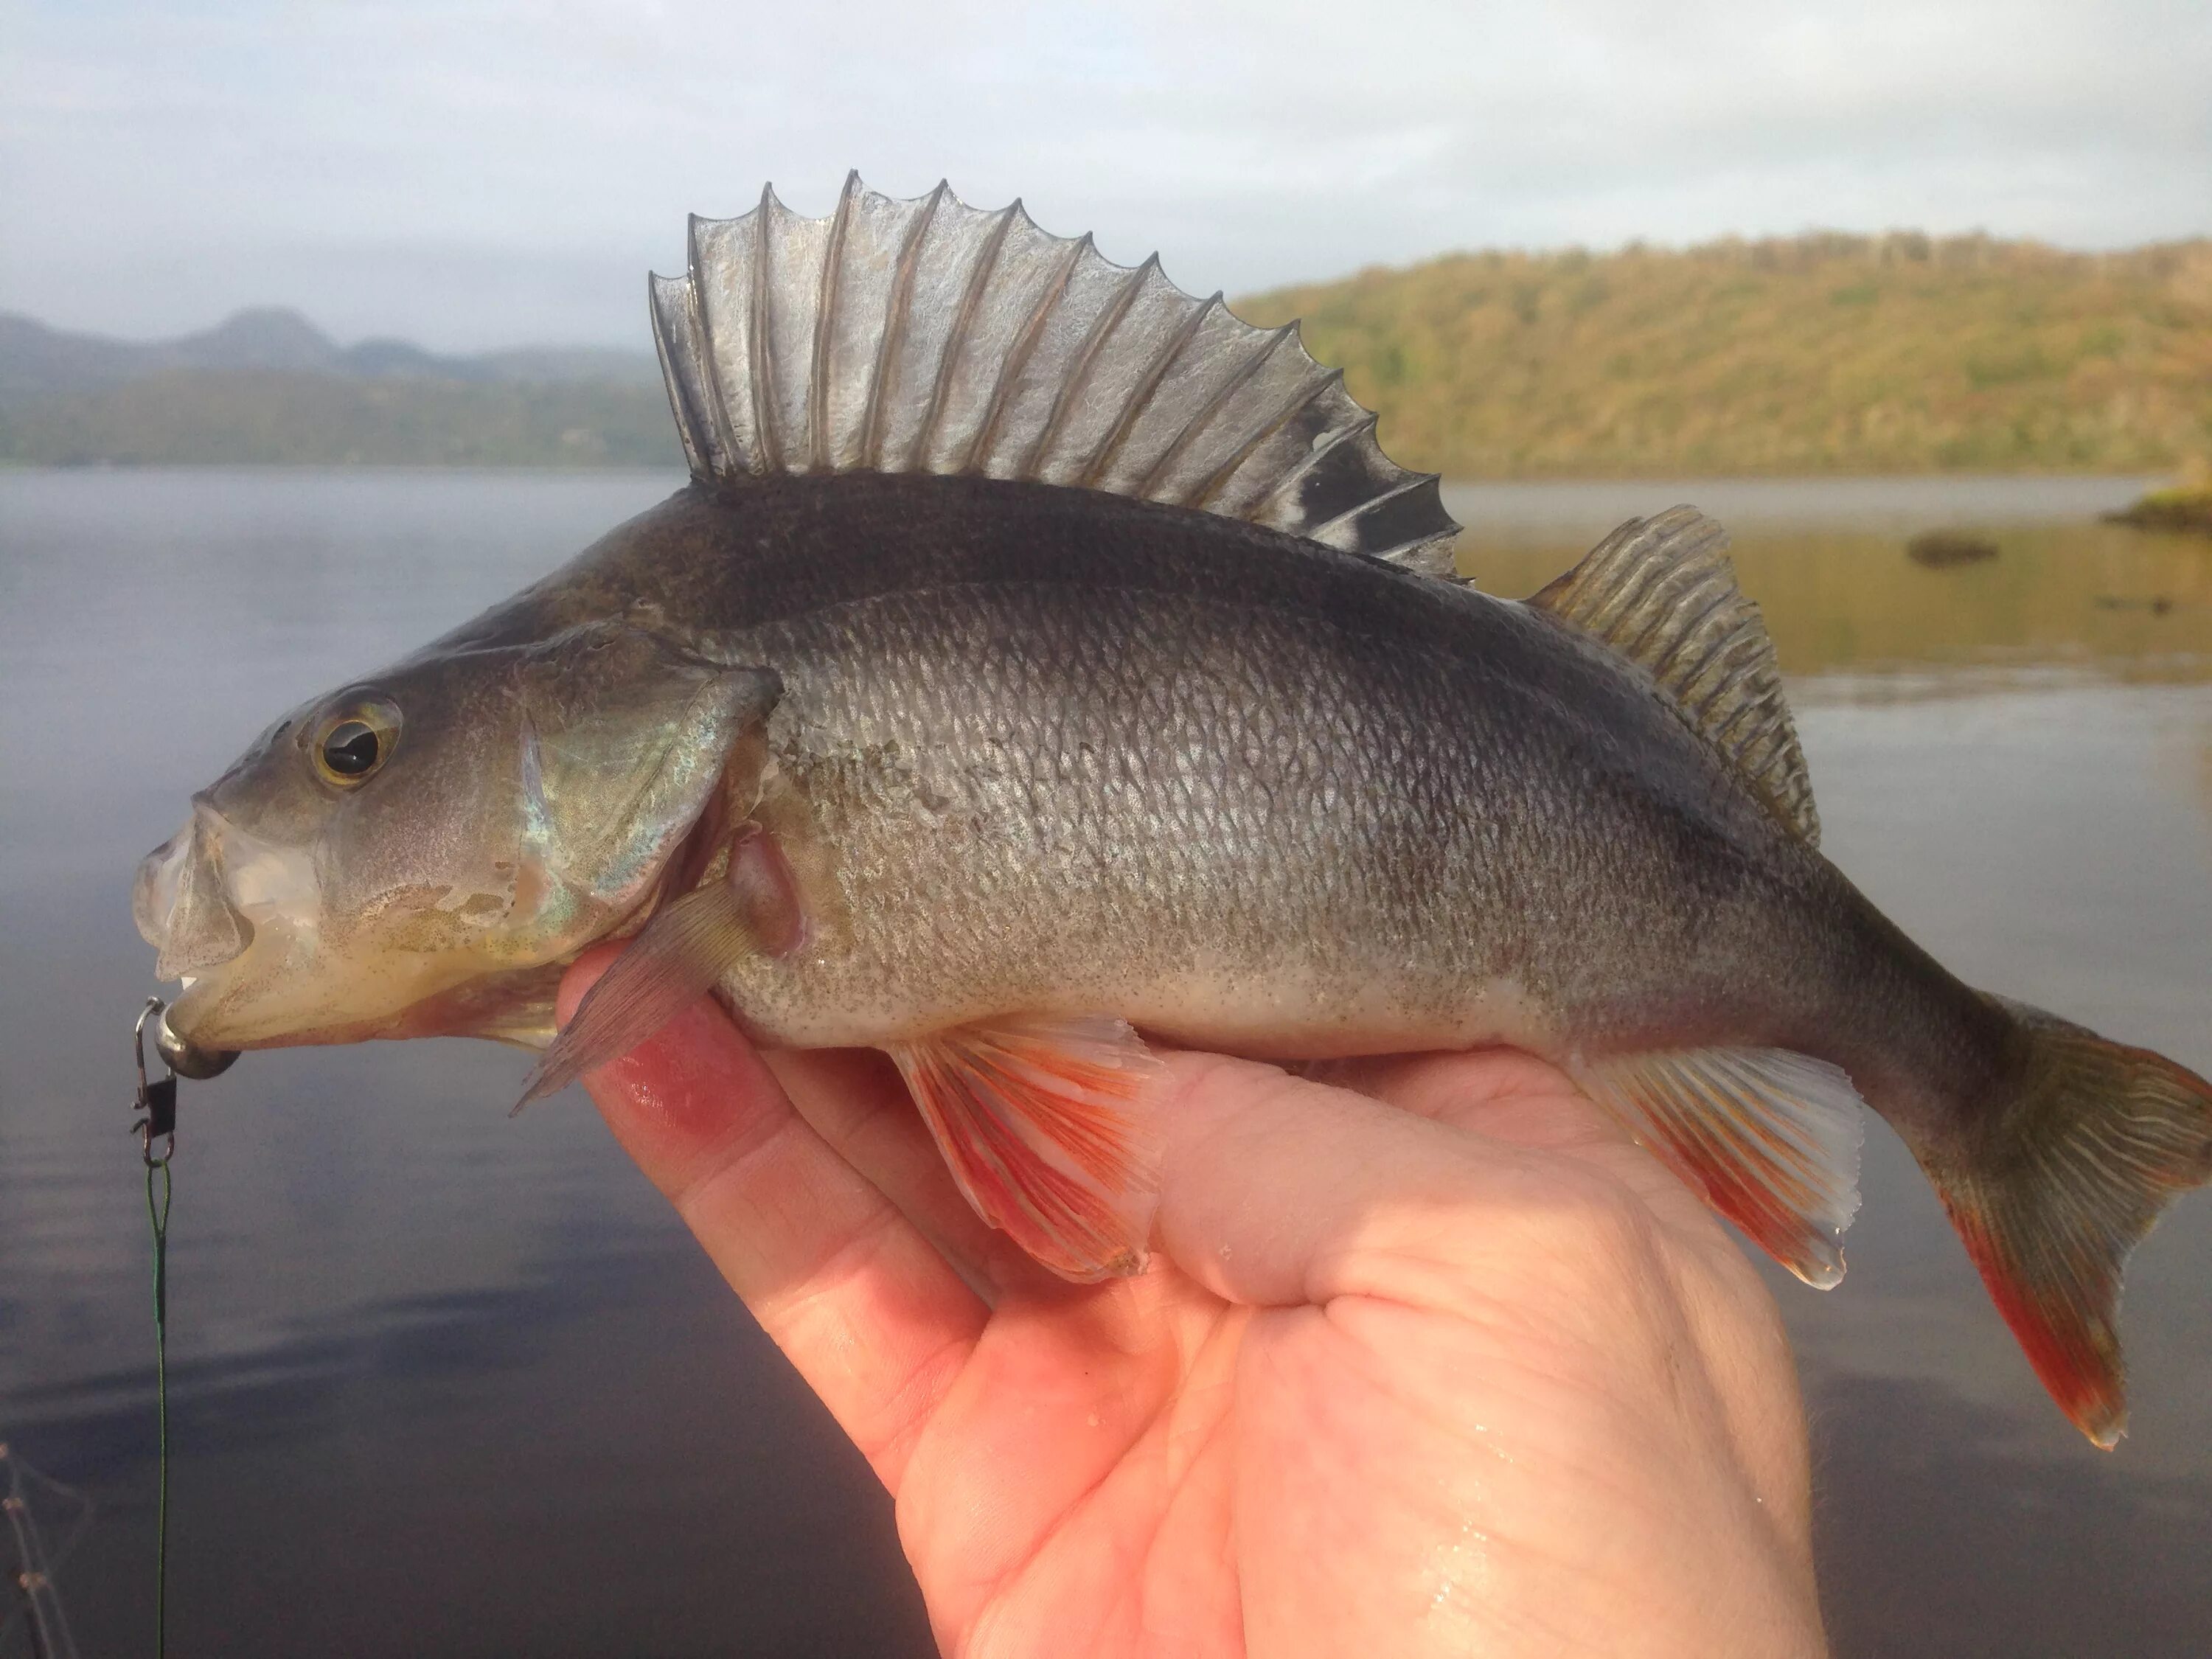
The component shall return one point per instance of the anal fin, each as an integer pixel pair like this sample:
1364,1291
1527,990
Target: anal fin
1040,1123
1769,1137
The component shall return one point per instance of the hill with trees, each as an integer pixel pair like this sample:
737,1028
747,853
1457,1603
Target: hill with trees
1816,353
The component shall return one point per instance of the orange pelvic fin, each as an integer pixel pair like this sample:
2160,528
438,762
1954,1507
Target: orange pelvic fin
1042,1124
1770,1139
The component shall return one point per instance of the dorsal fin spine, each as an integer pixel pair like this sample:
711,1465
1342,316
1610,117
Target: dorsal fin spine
1212,406
1314,458
762,348
1018,358
896,311
1162,361
1085,356
1390,495
724,434
927,336
1292,405
825,320
679,399
948,359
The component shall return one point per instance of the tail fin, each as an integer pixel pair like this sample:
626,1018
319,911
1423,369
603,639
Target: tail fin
2075,1168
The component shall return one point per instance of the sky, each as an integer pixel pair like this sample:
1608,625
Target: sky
479,174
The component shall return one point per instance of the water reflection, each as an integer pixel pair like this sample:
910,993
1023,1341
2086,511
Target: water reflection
2073,593
443,1374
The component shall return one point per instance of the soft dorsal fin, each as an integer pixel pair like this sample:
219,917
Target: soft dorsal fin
926,335
1661,593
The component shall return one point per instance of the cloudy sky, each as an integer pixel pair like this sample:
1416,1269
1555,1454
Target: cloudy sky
480,173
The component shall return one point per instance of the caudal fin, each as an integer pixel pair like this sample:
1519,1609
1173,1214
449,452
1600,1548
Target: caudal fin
2073,1170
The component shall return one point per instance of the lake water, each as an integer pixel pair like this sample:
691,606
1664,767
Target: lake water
447,1383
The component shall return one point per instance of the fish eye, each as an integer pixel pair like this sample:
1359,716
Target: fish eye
354,744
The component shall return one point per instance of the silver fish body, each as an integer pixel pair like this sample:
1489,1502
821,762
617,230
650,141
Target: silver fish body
1043,750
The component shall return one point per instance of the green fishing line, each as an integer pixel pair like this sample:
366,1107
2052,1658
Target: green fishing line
157,1211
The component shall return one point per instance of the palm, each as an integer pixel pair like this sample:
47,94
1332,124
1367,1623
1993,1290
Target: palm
1080,1476
1489,1384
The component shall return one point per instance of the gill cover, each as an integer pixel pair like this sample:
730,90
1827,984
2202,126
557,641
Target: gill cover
625,739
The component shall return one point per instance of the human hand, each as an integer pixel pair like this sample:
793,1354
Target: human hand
1430,1359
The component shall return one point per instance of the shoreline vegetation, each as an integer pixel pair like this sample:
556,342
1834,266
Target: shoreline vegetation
1821,354
1812,355
2187,508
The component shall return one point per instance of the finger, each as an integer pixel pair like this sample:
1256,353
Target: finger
1503,1093
1277,1189
876,1320
855,1100
1507,1094
1586,1235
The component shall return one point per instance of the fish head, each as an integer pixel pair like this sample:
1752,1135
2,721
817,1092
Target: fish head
420,852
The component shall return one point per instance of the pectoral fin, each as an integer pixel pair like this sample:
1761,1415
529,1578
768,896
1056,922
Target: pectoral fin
1040,1123
1769,1138
753,908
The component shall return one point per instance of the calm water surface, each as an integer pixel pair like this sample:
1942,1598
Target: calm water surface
447,1383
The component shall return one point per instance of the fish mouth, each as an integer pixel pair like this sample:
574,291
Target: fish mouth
182,904
235,918
239,920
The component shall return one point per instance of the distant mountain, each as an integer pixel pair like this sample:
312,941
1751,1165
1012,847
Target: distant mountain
37,362
268,385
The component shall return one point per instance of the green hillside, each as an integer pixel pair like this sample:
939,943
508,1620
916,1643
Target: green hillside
1817,354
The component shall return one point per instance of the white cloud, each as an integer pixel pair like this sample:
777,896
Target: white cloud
490,172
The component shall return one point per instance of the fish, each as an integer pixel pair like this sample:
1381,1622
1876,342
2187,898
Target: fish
1042,665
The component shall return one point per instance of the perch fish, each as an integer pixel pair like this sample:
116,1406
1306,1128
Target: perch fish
1042,660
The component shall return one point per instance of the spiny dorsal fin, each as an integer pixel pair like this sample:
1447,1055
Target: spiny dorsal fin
927,336
1661,593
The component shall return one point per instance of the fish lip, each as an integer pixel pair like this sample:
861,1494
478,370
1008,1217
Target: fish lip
153,892
182,900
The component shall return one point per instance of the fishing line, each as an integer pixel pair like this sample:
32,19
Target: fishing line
161,1220
158,1100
